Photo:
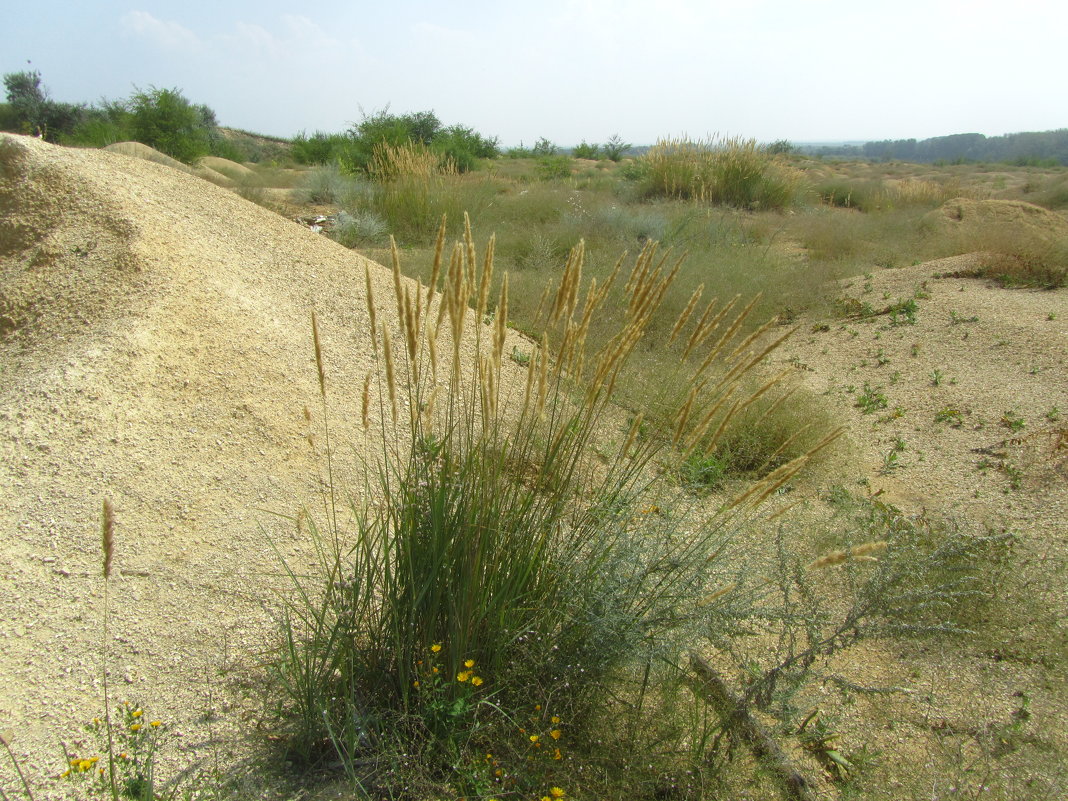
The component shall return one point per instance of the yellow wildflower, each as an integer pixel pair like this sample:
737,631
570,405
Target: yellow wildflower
156,724
556,792
534,738
555,734
137,713
555,719
416,684
476,680
136,727
463,675
470,663
557,754
435,647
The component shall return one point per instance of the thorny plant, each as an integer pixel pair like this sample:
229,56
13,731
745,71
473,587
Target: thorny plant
913,577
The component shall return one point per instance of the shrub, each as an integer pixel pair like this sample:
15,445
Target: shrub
319,148
103,125
166,120
1043,267
586,151
361,227
549,168
543,147
615,147
31,111
463,147
1018,255
324,185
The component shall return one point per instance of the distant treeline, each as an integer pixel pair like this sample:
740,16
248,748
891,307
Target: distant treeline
1040,149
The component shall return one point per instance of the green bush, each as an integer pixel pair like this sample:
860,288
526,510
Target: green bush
166,120
9,118
543,147
31,111
549,168
103,125
615,147
354,151
464,146
319,148
586,151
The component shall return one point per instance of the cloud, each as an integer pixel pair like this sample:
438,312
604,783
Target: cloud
163,33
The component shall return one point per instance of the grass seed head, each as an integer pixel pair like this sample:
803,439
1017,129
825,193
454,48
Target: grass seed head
107,527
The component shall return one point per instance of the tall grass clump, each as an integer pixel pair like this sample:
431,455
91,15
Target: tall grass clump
731,172
871,195
500,598
406,177
413,186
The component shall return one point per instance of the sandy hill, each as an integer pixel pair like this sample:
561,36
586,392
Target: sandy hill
156,350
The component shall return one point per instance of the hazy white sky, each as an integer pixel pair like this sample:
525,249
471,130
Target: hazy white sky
570,70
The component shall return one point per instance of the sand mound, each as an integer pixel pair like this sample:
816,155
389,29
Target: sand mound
156,351
231,169
978,218
143,151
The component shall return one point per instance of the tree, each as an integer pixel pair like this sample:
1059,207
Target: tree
33,112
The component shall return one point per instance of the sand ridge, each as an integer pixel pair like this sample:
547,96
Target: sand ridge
157,352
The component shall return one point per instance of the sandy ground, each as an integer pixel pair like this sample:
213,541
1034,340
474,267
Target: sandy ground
993,363
156,351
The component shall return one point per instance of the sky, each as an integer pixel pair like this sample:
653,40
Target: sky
569,70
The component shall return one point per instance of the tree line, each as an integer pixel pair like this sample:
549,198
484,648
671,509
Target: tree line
1037,148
